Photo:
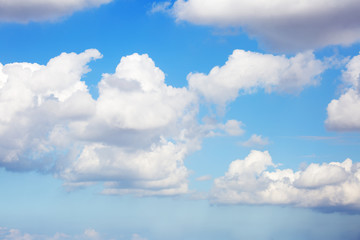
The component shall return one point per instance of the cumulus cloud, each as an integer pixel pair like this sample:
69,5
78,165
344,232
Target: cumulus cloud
247,71
281,25
24,11
257,180
256,141
133,138
344,113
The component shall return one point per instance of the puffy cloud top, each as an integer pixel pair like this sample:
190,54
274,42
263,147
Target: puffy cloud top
247,71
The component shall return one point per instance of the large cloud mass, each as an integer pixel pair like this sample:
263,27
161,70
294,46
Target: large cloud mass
283,24
134,137
257,180
247,71
40,10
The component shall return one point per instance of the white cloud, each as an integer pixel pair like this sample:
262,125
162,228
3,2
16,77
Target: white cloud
255,141
247,71
24,11
36,100
329,185
133,138
282,25
344,113
233,127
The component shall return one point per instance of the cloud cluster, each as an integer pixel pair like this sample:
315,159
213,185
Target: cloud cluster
133,138
344,113
329,185
282,25
24,11
88,234
247,71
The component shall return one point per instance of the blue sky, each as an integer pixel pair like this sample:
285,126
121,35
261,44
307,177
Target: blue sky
181,120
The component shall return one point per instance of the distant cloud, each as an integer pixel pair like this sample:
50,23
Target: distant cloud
344,113
247,71
233,127
137,237
24,11
91,234
160,7
255,141
88,234
334,185
204,178
281,25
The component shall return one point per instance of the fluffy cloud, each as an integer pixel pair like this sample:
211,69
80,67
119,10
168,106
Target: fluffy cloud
344,113
247,71
133,138
35,102
41,10
328,185
233,127
282,25
255,141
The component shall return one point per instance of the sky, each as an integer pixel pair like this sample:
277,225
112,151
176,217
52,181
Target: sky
179,120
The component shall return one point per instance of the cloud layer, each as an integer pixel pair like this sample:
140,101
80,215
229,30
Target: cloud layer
334,185
282,25
24,11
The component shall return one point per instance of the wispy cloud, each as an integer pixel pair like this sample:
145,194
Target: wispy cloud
255,141
163,7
